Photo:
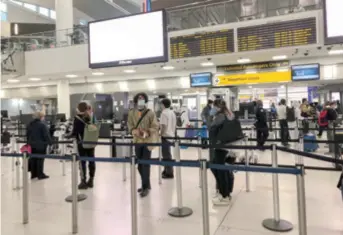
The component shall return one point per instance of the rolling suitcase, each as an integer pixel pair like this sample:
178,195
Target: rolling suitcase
310,146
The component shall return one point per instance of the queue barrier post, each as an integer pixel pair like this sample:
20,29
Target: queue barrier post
80,197
17,174
204,194
159,166
63,153
134,219
301,198
276,224
13,148
25,188
74,193
180,210
199,158
247,173
130,154
300,159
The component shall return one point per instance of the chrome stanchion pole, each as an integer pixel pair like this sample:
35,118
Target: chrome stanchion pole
63,155
276,224
134,219
300,159
13,148
130,155
204,194
199,158
17,173
25,189
180,210
159,166
247,174
74,193
301,201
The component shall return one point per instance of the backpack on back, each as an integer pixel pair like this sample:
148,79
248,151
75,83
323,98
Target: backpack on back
90,133
290,114
323,118
179,121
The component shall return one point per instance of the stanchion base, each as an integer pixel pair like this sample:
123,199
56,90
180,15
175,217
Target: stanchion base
180,212
277,226
80,198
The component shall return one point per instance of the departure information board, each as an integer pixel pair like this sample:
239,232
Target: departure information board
202,44
276,35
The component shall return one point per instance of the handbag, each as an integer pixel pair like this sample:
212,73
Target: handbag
229,131
26,148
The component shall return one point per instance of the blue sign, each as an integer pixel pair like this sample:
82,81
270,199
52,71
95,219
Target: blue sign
305,72
312,93
201,79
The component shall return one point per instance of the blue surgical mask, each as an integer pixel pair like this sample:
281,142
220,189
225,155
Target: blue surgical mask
213,112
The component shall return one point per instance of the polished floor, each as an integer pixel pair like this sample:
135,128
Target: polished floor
107,209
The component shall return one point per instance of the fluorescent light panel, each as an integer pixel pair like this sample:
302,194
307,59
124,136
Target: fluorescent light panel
168,67
129,71
13,80
71,76
279,57
243,60
35,79
207,64
335,52
97,73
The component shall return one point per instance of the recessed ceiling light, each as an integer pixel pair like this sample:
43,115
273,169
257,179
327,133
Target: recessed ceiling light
129,71
71,76
335,52
168,67
12,80
242,60
35,79
250,87
207,64
97,73
251,71
282,70
282,87
279,57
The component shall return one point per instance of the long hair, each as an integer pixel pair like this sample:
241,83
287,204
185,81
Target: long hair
221,104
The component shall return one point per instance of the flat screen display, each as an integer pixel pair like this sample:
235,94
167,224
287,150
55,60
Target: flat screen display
129,40
305,72
333,19
201,79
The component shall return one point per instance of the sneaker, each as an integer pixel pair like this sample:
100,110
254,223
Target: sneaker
90,183
43,177
141,190
83,185
220,201
144,192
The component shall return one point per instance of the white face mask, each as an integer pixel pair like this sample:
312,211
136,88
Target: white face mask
141,104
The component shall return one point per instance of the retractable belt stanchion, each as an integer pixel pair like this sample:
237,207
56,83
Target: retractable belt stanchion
17,173
80,197
134,219
63,153
159,166
276,224
25,188
14,150
74,193
247,174
199,158
300,159
130,154
180,210
301,201
204,194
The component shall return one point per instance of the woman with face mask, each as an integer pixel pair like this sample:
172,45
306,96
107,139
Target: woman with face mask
143,126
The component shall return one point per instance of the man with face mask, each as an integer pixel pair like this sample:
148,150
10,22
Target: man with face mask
143,126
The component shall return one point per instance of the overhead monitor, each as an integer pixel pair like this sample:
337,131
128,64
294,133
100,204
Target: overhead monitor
201,79
333,19
305,72
130,40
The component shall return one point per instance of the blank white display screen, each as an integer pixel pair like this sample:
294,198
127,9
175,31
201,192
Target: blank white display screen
333,21
131,40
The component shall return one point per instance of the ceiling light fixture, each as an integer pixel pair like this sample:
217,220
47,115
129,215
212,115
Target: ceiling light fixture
129,71
282,70
282,87
243,60
34,79
207,64
97,73
13,80
168,67
279,57
250,72
71,76
335,52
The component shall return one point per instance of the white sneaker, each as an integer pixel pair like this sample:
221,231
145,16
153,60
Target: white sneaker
220,201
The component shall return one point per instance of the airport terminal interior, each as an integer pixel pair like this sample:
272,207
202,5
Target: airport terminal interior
89,83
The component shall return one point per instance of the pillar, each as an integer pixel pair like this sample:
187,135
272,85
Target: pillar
63,98
64,21
286,95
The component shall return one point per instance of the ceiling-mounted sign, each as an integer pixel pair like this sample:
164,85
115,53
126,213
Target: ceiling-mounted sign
246,79
305,72
333,18
277,35
201,79
253,66
202,44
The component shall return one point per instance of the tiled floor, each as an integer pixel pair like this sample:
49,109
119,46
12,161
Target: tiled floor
107,209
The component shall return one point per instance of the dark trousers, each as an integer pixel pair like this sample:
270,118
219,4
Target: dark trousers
261,135
284,133
142,152
321,129
91,165
37,164
224,179
167,156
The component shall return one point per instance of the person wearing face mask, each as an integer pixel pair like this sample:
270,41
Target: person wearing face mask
206,113
142,124
168,127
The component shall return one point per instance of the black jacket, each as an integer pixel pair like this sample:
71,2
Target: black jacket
261,118
38,136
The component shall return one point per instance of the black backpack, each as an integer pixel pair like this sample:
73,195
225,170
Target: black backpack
290,114
179,121
229,131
